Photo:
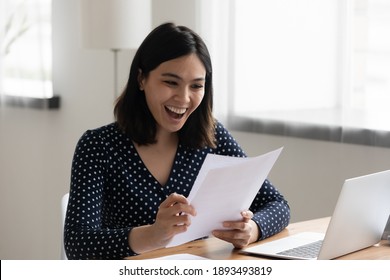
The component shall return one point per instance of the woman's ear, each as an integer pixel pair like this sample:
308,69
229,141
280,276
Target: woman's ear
141,80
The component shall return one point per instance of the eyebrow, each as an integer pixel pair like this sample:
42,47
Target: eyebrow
172,75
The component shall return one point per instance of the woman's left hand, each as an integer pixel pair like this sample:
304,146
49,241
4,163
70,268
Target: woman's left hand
239,233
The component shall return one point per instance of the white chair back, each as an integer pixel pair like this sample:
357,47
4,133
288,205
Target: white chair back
64,206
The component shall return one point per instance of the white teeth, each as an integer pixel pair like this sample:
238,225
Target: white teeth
176,110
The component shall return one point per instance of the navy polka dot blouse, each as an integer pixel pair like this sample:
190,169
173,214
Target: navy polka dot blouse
112,191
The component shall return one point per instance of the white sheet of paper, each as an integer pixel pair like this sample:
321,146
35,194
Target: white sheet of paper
224,187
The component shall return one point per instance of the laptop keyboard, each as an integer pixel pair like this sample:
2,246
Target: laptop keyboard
310,250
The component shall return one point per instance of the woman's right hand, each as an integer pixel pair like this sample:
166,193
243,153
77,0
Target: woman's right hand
173,217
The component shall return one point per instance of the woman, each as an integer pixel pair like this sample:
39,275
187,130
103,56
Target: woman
130,179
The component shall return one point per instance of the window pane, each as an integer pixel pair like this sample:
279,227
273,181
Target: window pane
377,54
286,55
26,48
313,61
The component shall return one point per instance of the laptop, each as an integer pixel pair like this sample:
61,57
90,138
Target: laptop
358,221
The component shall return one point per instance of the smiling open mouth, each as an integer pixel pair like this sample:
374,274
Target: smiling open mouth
175,112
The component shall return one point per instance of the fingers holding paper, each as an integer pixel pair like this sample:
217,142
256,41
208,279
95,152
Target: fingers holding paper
173,216
239,233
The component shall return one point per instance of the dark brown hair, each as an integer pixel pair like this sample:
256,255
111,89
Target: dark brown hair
131,111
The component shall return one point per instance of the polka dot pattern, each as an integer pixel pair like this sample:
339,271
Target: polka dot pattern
112,191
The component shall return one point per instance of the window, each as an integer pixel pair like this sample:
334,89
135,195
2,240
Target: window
313,64
26,54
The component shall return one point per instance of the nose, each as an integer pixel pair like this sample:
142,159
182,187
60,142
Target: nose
183,94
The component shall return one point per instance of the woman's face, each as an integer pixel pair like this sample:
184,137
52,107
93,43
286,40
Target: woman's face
174,90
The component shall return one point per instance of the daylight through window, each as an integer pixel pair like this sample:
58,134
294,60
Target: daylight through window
26,54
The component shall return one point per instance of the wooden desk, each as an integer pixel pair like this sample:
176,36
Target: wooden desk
217,249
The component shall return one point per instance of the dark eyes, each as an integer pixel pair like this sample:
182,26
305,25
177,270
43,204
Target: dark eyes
197,86
174,83
171,83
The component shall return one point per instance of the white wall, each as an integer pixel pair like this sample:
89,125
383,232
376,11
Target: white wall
36,147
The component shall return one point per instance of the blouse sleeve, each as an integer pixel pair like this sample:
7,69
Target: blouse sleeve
271,210
85,236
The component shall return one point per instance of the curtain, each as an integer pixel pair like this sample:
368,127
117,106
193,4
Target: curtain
215,27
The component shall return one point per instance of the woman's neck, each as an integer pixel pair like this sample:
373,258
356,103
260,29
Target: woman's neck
166,139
